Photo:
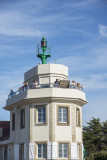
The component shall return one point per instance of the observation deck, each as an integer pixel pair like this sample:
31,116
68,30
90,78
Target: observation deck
46,75
46,92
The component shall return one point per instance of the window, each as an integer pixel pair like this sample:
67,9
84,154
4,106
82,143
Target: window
78,117
42,150
22,118
21,152
78,149
63,150
5,152
62,114
13,122
42,115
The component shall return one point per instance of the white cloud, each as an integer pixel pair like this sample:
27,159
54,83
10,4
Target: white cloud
103,30
93,82
17,21
14,23
97,59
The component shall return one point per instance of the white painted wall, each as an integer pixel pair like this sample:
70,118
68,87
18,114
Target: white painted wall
20,135
40,133
44,73
63,133
78,134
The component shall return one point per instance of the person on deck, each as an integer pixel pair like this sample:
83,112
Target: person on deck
56,83
11,94
35,84
73,84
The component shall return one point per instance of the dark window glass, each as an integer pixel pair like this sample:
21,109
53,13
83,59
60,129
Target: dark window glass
21,152
78,117
42,151
63,115
42,115
22,118
63,150
5,153
13,122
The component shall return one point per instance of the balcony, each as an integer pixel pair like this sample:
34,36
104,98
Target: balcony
51,85
31,94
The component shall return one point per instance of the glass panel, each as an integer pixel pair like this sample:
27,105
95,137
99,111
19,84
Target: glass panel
44,120
39,150
39,115
42,114
65,155
22,119
60,114
65,120
39,119
60,150
39,109
65,109
59,109
60,155
44,150
5,153
65,146
60,145
44,109
65,114
65,150
60,119
39,146
39,155
13,122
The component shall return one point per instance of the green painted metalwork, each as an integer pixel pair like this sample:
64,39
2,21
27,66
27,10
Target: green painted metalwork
43,56
84,153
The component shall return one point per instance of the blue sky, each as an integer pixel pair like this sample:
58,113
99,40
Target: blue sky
77,32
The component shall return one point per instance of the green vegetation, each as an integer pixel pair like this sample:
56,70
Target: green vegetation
95,140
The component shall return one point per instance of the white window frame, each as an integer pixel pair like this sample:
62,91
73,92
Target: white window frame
62,114
42,114
42,148
62,150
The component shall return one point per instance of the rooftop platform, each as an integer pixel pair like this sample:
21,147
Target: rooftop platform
46,92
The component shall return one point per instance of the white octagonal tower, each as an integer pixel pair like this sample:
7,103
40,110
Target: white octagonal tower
46,120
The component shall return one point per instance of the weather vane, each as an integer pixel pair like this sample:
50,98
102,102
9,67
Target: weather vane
43,56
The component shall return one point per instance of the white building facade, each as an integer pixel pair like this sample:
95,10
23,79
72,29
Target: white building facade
46,121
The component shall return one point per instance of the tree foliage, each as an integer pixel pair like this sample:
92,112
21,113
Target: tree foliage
104,132
95,137
102,155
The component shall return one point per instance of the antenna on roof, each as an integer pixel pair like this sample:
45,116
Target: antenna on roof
55,60
38,38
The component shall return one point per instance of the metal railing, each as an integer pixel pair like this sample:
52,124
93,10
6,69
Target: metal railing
49,85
